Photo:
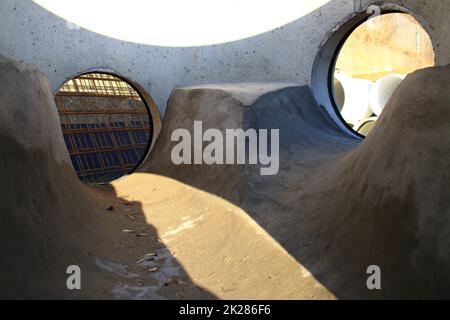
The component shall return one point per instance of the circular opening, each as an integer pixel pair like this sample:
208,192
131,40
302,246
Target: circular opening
106,124
371,61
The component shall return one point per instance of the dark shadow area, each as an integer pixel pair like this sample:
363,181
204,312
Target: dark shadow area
336,205
49,220
129,257
53,221
309,139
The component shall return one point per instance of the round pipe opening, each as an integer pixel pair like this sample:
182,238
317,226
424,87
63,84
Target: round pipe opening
107,125
361,64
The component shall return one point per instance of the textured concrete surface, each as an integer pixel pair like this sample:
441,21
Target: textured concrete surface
34,166
400,45
381,203
49,219
336,206
30,33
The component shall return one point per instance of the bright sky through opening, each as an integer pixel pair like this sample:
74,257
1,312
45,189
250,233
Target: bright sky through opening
180,23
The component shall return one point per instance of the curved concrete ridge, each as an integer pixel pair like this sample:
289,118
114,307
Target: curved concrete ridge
50,221
287,107
383,203
335,207
43,206
245,93
335,210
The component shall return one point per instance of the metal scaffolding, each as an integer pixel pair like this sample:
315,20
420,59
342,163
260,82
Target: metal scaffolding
106,126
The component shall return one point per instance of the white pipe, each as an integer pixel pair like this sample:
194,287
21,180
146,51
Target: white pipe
365,126
356,97
383,90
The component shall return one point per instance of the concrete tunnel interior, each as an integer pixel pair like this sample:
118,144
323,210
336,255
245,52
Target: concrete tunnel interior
278,161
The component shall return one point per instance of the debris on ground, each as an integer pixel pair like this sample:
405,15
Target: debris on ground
148,256
141,234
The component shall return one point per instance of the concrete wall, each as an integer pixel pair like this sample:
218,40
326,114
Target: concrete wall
29,32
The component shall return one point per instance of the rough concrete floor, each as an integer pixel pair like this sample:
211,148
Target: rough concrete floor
337,205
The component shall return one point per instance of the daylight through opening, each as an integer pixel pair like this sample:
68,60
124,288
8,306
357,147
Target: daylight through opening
106,125
372,62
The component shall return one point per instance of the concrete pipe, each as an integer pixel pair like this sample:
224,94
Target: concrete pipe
365,126
383,90
339,94
355,96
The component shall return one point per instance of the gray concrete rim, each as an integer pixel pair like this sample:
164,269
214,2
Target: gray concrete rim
325,58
